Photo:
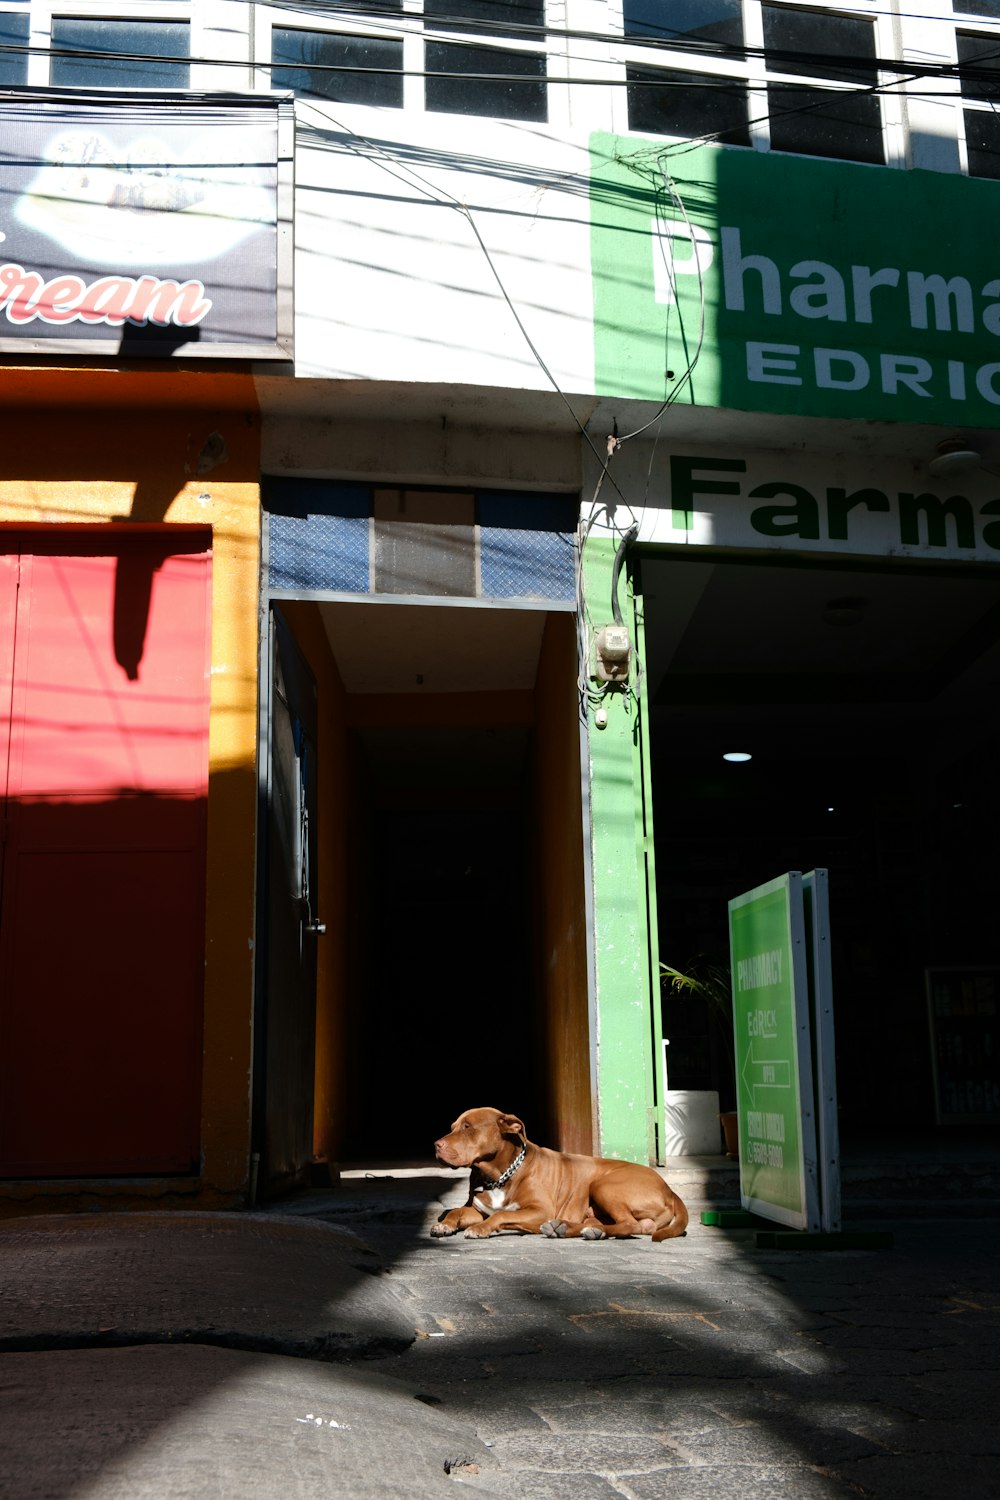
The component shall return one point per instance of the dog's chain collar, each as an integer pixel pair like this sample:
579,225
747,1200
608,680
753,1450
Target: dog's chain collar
518,1159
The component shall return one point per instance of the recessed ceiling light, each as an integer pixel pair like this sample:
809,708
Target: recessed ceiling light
845,611
737,755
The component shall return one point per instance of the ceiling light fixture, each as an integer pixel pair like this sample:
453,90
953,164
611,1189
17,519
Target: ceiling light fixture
848,610
953,459
737,755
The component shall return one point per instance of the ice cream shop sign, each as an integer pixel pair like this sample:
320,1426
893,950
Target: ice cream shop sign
111,300
128,231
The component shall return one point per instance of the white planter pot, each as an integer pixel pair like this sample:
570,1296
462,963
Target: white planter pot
691,1123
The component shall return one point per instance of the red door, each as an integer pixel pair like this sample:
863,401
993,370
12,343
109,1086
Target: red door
104,656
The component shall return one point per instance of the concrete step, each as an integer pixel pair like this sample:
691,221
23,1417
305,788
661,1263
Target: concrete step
918,1176
891,1176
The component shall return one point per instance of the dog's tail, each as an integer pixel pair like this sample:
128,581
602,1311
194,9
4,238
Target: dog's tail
672,1221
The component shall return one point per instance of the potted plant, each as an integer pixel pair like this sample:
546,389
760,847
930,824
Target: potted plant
711,982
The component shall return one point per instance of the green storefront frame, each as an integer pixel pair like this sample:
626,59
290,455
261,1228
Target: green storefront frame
626,962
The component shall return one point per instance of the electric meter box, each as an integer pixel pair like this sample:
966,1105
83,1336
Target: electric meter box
613,654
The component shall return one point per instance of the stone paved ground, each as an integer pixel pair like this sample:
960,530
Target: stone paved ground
334,1349
704,1367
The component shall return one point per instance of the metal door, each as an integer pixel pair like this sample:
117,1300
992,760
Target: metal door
104,655
286,1009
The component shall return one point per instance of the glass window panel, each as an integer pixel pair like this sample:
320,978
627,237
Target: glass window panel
506,98
982,139
14,33
689,105
979,66
424,543
152,51
527,545
821,122
977,7
322,64
501,16
843,47
708,20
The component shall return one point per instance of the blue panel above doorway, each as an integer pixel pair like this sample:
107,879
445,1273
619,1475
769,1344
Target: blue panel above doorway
317,535
522,545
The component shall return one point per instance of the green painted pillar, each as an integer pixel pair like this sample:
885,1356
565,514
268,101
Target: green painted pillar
627,1019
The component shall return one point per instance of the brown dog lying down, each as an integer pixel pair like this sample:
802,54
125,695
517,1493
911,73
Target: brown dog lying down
515,1184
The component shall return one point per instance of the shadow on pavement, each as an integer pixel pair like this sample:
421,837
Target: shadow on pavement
525,1367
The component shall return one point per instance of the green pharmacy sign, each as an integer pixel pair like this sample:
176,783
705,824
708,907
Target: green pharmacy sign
768,282
771,1014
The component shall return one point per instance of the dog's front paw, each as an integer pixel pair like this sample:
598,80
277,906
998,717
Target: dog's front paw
440,1229
593,1232
555,1229
478,1232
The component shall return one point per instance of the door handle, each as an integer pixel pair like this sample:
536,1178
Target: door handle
316,928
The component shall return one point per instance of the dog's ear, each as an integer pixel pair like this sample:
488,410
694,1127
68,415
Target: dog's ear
511,1125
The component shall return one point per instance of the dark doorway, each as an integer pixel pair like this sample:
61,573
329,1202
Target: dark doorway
446,1015
867,699
449,876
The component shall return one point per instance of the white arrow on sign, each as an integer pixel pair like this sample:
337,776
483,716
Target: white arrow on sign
769,1073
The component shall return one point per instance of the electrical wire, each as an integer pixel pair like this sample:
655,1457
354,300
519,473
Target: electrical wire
387,7
588,697
818,90
700,341
682,148
616,568
666,84
818,96
791,61
408,175
664,36
968,70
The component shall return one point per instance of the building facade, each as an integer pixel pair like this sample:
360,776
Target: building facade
434,437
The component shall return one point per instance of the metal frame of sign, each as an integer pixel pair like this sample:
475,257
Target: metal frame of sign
759,1158
816,896
145,111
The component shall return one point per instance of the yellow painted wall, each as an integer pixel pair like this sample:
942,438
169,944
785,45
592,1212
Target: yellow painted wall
173,446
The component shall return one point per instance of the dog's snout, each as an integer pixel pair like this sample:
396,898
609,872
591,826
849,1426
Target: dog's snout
444,1150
